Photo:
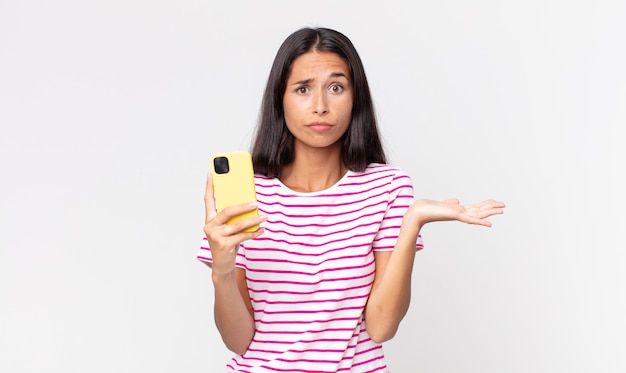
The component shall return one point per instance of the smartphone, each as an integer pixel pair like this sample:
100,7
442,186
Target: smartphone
233,183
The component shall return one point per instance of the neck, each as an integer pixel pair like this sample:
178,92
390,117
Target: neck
313,171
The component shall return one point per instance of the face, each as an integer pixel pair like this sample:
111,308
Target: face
318,100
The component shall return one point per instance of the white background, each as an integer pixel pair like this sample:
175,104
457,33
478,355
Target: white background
109,111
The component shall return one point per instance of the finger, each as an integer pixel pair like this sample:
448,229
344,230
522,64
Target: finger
244,236
485,205
451,202
209,200
476,220
483,212
492,203
491,207
222,241
484,223
480,216
243,224
491,212
233,234
232,211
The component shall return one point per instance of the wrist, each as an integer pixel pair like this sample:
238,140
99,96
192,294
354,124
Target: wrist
223,276
411,226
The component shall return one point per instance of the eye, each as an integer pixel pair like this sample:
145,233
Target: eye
336,88
302,90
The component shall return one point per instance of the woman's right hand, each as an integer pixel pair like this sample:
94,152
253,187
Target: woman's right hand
224,239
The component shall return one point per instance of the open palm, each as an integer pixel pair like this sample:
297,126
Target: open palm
425,211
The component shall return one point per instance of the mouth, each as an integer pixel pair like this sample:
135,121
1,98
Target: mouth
319,126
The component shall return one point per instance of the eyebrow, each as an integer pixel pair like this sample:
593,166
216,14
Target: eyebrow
332,75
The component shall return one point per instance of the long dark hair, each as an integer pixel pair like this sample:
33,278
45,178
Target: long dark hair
273,146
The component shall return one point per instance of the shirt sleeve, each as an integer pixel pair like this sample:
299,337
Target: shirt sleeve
204,254
400,198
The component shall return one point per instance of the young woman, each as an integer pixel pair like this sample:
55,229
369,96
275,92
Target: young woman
327,277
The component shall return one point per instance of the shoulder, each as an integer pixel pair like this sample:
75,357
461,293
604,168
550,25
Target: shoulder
266,182
263,179
381,171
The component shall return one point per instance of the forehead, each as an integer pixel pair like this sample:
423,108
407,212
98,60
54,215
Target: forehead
316,63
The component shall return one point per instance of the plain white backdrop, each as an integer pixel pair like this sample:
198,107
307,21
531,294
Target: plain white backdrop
109,111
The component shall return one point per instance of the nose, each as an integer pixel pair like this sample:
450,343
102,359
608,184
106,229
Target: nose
320,104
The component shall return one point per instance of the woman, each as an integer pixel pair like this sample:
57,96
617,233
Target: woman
327,277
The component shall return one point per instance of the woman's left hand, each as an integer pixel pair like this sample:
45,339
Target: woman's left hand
425,211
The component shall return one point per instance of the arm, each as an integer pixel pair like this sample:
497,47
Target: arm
391,292
232,308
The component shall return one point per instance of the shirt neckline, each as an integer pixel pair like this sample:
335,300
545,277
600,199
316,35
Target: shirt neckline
319,192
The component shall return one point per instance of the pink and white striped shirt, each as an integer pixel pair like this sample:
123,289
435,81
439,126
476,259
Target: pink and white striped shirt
310,274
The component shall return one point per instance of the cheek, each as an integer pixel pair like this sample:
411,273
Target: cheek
346,113
290,108
288,115
295,112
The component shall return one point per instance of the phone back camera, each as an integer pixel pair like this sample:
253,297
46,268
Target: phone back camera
221,165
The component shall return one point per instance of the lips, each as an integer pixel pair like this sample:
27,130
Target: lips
319,126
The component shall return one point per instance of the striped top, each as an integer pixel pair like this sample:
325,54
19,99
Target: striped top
310,274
